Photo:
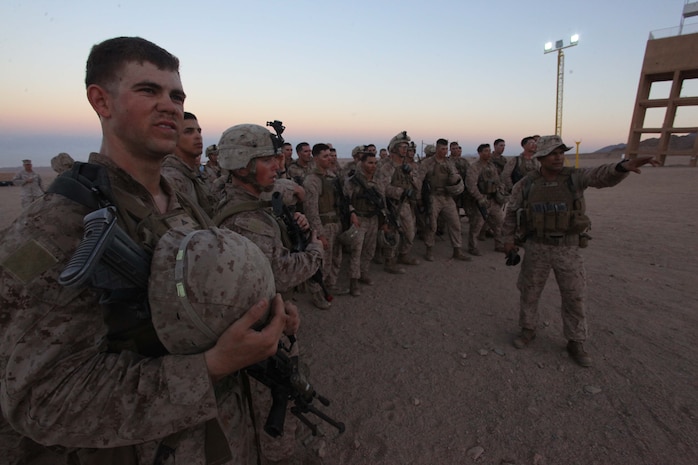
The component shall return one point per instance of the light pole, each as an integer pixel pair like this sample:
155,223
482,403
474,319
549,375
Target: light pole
558,46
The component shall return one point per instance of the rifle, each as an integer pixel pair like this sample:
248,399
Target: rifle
287,380
426,200
342,204
113,262
386,209
299,240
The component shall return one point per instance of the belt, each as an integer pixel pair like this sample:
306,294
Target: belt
562,239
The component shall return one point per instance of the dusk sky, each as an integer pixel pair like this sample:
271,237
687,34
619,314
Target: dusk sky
343,72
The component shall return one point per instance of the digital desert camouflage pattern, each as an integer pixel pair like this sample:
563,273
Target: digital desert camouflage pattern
62,162
369,221
315,193
564,259
520,164
477,173
187,182
65,397
260,227
394,182
30,184
201,282
298,173
441,174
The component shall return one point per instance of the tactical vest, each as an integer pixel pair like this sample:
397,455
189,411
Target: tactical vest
488,180
439,176
359,200
128,317
554,209
400,178
231,209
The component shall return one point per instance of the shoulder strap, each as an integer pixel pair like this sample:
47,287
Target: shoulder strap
231,209
85,183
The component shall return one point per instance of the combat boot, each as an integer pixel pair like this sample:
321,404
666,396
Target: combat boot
320,302
459,255
578,354
429,255
354,287
364,279
525,338
407,259
391,267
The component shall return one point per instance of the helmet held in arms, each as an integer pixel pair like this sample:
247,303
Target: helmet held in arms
201,282
244,142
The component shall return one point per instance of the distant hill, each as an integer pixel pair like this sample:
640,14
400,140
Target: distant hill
676,143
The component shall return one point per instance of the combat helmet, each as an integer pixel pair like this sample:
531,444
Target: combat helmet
201,282
397,140
244,142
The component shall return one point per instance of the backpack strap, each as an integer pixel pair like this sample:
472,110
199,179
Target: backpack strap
85,183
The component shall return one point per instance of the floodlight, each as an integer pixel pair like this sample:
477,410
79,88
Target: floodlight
574,39
548,46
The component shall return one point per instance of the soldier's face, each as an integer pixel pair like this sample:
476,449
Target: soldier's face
287,152
499,148
369,165
441,151
323,160
554,161
142,110
485,154
306,153
266,169
383,153
190,142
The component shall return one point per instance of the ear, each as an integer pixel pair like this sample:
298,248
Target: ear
100,99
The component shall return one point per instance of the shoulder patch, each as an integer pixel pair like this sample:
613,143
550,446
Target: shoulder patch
29,261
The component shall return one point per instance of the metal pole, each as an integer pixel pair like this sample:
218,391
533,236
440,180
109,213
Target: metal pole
560,86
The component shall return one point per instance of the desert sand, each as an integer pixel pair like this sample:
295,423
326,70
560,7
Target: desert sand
421,368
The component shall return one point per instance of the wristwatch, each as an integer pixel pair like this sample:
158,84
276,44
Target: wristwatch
622,169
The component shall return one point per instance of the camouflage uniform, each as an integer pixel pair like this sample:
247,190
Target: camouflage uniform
462,201
396,182
187,182
68,381
515,169
321,210
253,218
30,182
561,253
367,214
484,186
211,176
500,161
441,174
258,224
298,173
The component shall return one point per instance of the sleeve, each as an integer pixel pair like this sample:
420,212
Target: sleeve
179,181
18,180
58,383
601,176
514,204
290,269
313,187
471,181
386,177
507,172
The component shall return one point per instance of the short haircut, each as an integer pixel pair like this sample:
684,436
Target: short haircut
107,58
371,145
188,115
441,142
497,141
453,144
482,147
300,146
287,144
364,155
317,148
526,140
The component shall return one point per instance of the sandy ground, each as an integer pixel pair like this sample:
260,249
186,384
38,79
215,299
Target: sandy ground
422,371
